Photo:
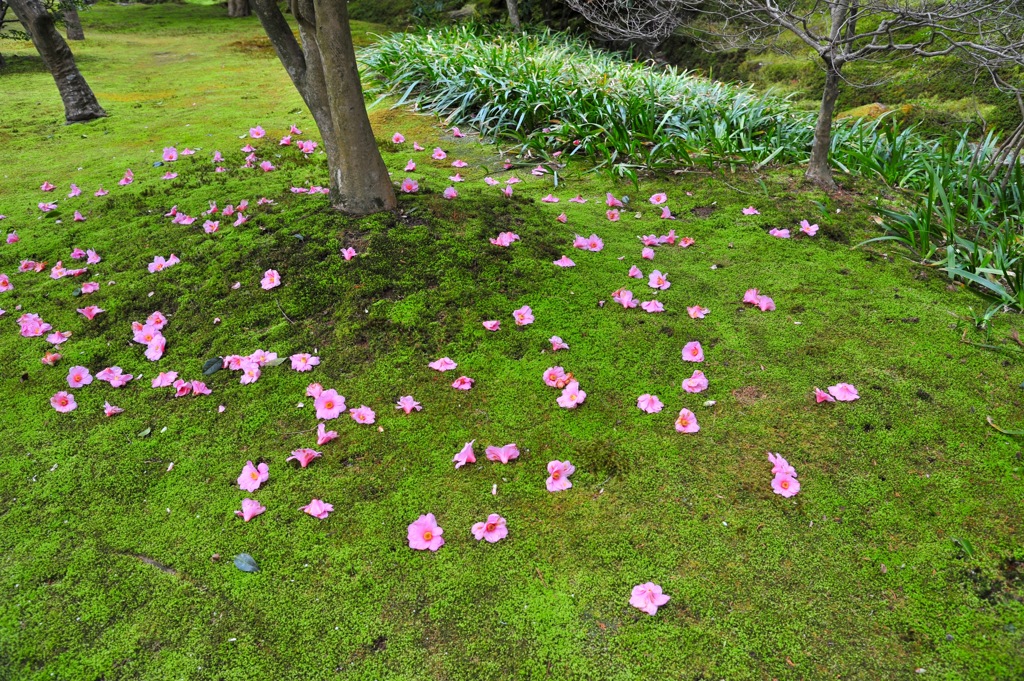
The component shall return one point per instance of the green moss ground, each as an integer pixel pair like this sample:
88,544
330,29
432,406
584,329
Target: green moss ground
761,587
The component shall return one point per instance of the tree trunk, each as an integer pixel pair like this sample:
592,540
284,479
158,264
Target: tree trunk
239,8
513,14
72,23
819,170
324,72
79,102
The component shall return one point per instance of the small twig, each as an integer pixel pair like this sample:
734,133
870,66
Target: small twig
290,320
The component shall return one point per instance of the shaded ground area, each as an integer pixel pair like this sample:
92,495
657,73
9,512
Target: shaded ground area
901,551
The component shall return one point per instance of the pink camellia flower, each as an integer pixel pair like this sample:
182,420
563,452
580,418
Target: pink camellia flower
410,166
822,396
90,311
558,475
612,215
647,254
58,337
669,238
504,453
659,198
457,133
408,404
262,357
115,376
250,371
317,509
155,348
624,297
304,456
686,422
465,455
306,146
164,379
425,534
313,390
666,213
652,306
611,201
257,132
101,192
253,476
110,410
577,199
410,185
649,403
323,436
450,193
79,376
416,146
492,325
785,485
463,383
170,175
554,375
594,243
157,320
78,217
493,530
648,597
293,130
438,154
491,181
844,392
563,218
363,414
200,388
459,163
750,210
696,383
182,388
780,466
505,239
128,178
50,358
211,226
750,297
765,303
779,233
635,273
5,283
329,405
63,402
550,198
286,141
571,396
398,138
807,228
47,207
686,242
658,280
13,238
250,509
564,262
348,253
271,279
697,312
303,361
443,364
47,187
523,316
693,352
557,344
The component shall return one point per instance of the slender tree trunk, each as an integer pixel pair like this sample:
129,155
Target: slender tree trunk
239,8
513,14
819,170
79,102
324,72
72,23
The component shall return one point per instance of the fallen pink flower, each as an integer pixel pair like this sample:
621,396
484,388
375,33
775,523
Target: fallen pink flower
779,233
304,456
504,454
47,187
58,337
558,475
657,280
613,215
693,352
647,254
553,376
843,392
63,402
438,154
459,163
765,303
90,311
505,239
211,226
425,534
443,364
410,166
492,530
79,376
649,403
348,253
659,198
250,509
577,199
200,388
697,312
313,390
492,325
635,273
750,210
550,198
457,133
696,383
611,201
363,414
323,436
271,279
564,261
563,218
110,410
257,132
807,228
571,396
557,344
651,306
164,379
780,466
78,217
822,396
465,455
463,383
687,422
408,404
182,388
253,476
648,597
303,361
317,509
397,138
329,405
785,485
666,214
450,193
50,358
624,297
410,185
686,242
523,316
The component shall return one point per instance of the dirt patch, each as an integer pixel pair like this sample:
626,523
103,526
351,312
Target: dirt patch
257,46
748,395
703,211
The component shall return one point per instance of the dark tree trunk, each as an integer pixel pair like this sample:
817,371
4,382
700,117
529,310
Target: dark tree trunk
239,8
513,14
324,72
79,102
819,170
73,24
